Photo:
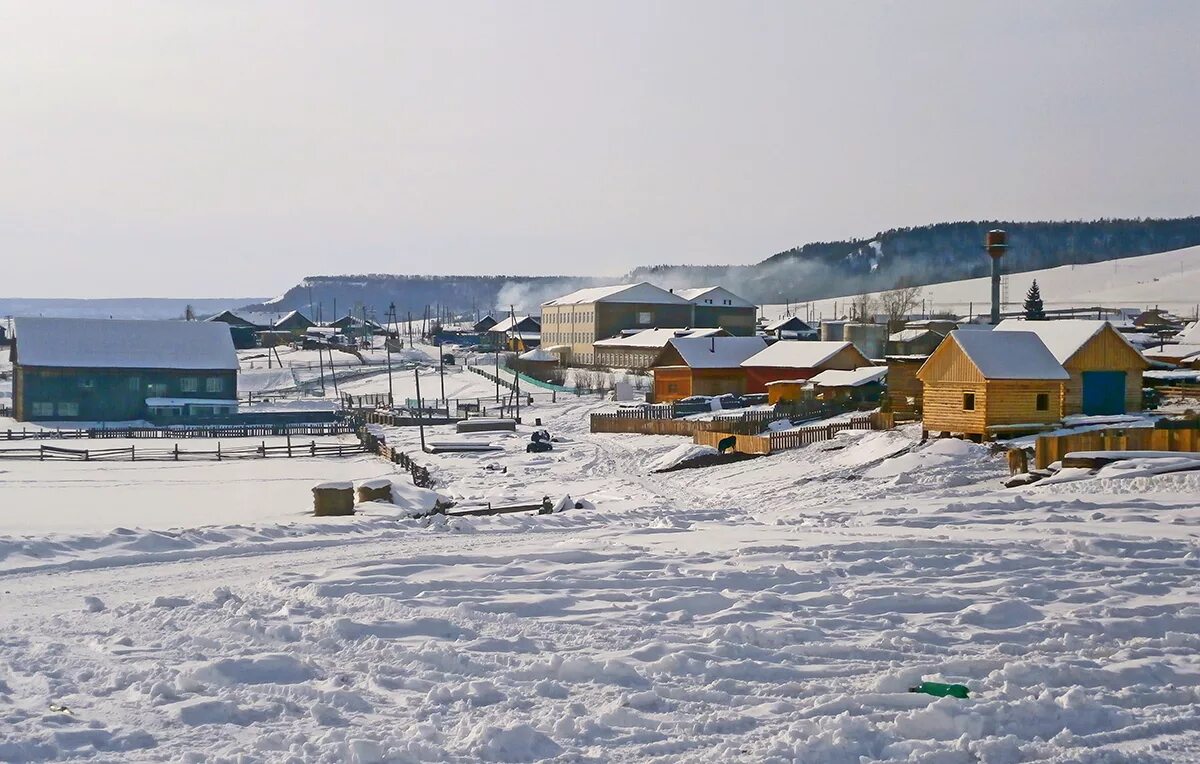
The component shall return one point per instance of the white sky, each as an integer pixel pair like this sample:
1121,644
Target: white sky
229,147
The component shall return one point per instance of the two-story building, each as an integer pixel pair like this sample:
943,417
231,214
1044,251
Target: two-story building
97,370
717,307
571,324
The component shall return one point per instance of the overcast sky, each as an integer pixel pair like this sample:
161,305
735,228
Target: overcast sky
216,148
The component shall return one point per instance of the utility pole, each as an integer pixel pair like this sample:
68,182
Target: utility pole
512,313
387,344
321,365
442,374
333,373
420,421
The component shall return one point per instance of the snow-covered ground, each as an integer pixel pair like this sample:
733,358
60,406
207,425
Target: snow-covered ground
1167,280
775,609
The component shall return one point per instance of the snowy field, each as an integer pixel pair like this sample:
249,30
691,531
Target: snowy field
1167,280
770,610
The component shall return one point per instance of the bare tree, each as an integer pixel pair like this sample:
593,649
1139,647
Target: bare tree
899,302
862,308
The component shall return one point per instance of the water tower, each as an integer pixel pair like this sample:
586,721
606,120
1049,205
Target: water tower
996,245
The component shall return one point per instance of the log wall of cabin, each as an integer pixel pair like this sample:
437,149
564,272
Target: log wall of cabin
1014,401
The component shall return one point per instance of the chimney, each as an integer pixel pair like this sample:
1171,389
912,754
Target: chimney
996,245
712,343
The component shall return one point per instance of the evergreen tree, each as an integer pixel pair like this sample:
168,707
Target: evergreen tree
1033,304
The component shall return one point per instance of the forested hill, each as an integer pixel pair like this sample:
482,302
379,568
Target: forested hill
916,256
931,254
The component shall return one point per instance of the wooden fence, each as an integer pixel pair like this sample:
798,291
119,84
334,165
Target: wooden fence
744,444
731,422
44,453
1179,391
798,437
314,429
1052,448
377,445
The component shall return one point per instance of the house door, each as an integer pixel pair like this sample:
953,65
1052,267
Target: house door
1104,392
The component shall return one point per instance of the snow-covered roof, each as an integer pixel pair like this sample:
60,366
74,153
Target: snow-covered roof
797,355
853,378
123,344
537,354
290,315
716,352
910,335
654,338
641,292
510,323
1190,333
258,319
793,323
1063,338
717,294
1181,350
1009,355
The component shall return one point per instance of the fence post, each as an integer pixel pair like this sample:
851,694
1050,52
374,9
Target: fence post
132,454
176,450
312,448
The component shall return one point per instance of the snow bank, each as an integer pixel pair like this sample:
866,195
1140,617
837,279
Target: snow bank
680,454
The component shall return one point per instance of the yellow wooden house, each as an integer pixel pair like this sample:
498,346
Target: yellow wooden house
1105,370
984,383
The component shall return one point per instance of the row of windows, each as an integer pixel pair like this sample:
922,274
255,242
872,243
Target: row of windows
160,389
569,318
64,408
1041,402
723,302
551,338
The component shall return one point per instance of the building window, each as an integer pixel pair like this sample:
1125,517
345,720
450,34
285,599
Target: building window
156,390
41,408
189,384
214,385
68,408
645,318
86,383
968,401
135,384
1043,401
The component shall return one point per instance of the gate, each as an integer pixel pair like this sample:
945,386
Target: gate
1104,392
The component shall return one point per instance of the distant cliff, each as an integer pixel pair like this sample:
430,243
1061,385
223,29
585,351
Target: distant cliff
920,255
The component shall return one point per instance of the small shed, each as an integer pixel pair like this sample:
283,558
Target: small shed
981,383
787,390
789,328
789,360
905,392
702,366
914,342
1105,369
863,385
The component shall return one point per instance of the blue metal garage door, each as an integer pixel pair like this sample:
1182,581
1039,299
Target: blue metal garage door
1104,392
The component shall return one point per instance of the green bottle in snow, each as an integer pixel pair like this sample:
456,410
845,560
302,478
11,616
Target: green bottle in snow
941,690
